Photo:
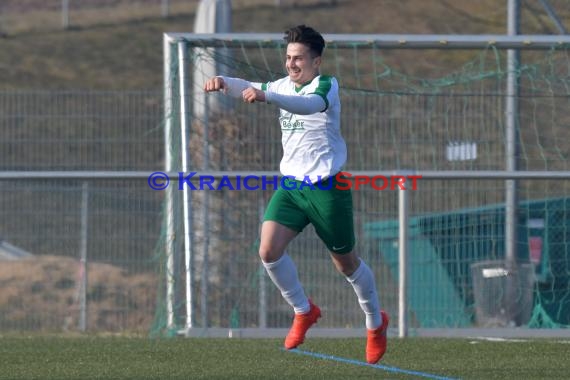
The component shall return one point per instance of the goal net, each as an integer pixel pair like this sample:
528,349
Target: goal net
427,104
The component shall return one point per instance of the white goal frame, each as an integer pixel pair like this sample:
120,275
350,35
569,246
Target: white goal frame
181,42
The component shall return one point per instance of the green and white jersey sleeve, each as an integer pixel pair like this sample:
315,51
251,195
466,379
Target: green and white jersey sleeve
313,147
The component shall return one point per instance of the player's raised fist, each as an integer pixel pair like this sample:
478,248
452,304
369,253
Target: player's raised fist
251,95
214,84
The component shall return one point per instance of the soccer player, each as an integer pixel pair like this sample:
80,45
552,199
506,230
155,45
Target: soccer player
314,151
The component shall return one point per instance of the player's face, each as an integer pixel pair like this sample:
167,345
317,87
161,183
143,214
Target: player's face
301,66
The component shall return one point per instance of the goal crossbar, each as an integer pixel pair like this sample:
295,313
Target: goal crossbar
384,41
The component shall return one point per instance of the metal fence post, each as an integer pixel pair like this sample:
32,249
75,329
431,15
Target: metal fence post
403,263
83,257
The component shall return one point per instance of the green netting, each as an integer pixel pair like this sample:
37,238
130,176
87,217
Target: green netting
402,109
423,113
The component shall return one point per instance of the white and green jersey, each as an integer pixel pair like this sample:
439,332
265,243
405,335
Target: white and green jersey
313,147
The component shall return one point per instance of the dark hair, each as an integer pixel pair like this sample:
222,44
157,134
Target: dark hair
307,36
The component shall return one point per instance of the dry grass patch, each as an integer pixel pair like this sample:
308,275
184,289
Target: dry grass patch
43,293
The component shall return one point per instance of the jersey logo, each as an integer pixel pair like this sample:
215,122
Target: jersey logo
290,124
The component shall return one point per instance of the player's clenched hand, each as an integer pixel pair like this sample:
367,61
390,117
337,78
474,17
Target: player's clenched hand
251,95
215,84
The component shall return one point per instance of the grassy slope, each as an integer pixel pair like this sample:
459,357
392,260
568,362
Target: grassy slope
129,55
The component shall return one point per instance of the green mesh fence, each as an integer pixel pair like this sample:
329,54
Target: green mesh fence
402,109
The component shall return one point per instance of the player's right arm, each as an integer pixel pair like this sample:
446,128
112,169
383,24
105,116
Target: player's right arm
230,86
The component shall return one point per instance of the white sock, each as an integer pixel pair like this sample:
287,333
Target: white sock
283,273
362,280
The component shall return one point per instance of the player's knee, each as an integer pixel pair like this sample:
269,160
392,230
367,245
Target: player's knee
269,254
346,264
346,270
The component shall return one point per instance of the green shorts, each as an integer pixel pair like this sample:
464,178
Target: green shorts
295,204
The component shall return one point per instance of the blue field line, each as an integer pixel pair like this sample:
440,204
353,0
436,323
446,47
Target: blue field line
364,364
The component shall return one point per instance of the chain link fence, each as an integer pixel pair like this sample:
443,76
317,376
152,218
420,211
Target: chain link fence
88,254
79,254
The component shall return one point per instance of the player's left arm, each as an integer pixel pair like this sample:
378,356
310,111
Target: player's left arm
300,105
297,104
317,101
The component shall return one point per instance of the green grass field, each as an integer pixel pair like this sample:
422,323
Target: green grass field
200,358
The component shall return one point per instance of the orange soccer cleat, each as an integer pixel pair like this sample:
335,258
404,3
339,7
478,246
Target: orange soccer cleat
301,324
376,341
